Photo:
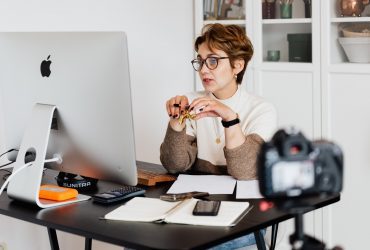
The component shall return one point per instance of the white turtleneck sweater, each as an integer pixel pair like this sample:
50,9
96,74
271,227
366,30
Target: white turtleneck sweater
196,148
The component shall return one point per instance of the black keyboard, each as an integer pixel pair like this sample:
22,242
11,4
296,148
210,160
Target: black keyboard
118,194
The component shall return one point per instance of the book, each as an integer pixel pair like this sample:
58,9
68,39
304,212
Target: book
143,209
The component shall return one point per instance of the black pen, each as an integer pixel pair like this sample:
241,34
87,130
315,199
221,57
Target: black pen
182,196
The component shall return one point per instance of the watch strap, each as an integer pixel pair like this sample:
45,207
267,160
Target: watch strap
227,124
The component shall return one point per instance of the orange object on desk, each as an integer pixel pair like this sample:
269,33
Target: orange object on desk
57,193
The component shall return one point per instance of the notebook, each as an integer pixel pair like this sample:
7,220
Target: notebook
143,209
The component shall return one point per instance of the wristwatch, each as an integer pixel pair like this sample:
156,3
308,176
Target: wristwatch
227,124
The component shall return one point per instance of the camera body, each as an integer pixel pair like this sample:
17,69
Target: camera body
292,166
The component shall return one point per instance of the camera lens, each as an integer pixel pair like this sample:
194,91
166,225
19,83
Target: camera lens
295,149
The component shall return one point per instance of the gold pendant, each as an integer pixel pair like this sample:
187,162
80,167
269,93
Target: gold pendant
218,140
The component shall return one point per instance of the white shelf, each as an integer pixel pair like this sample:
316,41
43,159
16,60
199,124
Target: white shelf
287,66
337,55
287,21
350,19
352,68
238,21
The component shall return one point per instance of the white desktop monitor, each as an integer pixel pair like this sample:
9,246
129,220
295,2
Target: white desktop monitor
88,83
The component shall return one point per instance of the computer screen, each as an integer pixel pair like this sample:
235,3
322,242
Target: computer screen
86,76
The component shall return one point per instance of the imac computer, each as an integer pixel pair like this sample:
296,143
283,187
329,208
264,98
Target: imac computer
66,94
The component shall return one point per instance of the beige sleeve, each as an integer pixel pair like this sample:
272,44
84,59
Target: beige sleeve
242,161
178,151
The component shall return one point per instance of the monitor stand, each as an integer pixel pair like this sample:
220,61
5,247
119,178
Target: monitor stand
25,186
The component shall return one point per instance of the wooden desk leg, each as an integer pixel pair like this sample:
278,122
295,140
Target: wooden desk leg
88,243
274,230
53,238
260,241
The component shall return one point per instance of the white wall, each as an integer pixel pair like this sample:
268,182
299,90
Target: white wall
348,124
160,36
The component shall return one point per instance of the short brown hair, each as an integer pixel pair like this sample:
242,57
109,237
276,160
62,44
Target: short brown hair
229,38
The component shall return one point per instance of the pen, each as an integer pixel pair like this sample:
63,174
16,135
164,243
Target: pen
182,196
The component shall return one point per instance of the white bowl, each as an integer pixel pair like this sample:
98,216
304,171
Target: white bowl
357,49
357,30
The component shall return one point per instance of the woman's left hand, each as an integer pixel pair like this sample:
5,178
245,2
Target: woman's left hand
207,107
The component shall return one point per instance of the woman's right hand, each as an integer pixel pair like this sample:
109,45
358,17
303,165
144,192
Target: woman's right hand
175,107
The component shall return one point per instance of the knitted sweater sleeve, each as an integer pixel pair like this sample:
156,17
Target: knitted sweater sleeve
242,161
178,151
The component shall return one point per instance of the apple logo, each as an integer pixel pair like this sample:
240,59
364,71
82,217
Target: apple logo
45,67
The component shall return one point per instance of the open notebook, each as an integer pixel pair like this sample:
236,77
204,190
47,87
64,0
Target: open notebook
144,209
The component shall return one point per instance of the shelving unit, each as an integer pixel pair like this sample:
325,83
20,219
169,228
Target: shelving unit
244,20
275,37
223,10
313,96
285,84
344,94
323,98
337,55
271,34
274,31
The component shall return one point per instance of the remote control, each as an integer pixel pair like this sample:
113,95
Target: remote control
118,194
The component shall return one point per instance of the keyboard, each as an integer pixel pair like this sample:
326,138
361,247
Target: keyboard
118,194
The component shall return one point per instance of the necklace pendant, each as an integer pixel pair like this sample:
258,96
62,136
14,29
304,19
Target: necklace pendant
218,140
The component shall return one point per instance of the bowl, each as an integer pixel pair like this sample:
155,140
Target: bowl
357,49
357,30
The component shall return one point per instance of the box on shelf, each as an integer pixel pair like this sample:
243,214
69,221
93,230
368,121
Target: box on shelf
300,47
357,49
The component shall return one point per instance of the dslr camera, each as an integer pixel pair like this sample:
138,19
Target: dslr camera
292,166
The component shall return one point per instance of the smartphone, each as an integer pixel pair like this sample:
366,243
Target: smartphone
209,208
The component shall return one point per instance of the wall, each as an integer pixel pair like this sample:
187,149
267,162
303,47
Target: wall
160,36
348,123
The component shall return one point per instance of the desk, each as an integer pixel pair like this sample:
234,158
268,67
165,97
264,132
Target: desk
83,219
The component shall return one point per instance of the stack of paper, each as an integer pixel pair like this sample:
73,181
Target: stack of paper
213,184
248,190
216,184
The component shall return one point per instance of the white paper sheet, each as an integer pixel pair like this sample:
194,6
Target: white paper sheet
213,184
248,190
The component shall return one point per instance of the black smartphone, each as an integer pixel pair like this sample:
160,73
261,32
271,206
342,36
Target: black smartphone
206,208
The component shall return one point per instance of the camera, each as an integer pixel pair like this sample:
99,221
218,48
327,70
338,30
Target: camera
291,166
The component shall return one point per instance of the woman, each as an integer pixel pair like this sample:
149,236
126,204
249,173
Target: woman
228,124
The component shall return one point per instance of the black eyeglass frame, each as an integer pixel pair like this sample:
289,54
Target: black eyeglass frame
204,61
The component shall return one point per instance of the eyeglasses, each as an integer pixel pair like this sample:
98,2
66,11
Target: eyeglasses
211,62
